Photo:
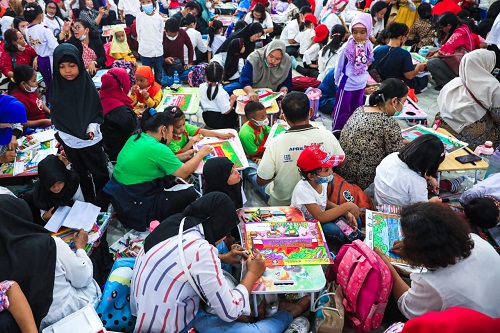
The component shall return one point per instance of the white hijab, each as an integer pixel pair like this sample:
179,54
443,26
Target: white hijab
456,104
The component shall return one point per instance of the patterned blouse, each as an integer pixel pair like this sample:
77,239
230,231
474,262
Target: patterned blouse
425,31
88,55
367,138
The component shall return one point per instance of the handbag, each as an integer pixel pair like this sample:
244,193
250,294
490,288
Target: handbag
374,73
453,60
330,311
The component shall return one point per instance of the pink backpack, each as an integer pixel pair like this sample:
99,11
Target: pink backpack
366,282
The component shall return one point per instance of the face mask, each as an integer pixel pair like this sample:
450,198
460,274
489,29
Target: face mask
265,61
148,9
323,180
20,48
89,8
82,37
23,31
50,15
30,89
172,38
264,122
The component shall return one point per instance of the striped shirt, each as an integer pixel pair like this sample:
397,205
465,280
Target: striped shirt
162,298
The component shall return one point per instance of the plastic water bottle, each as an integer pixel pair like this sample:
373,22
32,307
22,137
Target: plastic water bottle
485,151
494,163
176,78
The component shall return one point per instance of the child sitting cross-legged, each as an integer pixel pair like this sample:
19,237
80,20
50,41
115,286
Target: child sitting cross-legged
146,93
253,135
186,135
310,194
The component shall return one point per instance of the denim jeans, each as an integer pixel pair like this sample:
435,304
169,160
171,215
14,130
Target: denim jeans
156,63
167,81
250,174
207,323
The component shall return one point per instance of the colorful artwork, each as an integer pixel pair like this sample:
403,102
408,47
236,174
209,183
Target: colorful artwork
411,111
270,214
266,97
290,279
450,144
223,149
182,101
417,58
382,230
288,243
276,130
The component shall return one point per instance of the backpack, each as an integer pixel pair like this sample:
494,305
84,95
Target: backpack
366,283
109,58
114,308
301,83
340,191
197,75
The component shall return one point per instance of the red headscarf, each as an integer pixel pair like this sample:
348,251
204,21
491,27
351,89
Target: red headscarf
153,87
114,90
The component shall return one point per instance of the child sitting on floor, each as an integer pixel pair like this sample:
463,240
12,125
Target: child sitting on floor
482,213
119,48
12,299
253,135
310,194
147,92
186,135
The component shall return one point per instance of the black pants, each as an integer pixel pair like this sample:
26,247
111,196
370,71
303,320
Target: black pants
293,50
118,126
308,71
217,120
90,164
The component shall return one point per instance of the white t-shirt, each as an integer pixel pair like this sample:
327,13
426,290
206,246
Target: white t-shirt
66,13
280,160
130,7
326,63
304,194
396,184
330,19
267,23
219,104
305,39
290,31
42,40
218,40
312,54
54,25
378,27
197,42
471,283
150,34
221,59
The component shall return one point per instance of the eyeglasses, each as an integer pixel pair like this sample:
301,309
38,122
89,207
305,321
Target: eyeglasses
51,7
77,27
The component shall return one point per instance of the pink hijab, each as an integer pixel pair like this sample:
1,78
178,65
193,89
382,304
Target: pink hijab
360,61
114,90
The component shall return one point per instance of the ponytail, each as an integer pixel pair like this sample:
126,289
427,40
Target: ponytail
338,34
22,73
213,73
388,89
213,27
152,120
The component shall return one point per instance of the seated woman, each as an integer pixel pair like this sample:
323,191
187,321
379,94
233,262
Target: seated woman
250,34
24,88
91,15
87,41
12,114
143,171
456,35
15,49
232,61
469,106
120,120
206,222
259,15
268,67
402,178
371,133
423,32
63,281
53,18
391,61
462,269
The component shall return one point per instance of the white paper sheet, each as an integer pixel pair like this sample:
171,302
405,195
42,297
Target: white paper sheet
44,136
82,216
58,218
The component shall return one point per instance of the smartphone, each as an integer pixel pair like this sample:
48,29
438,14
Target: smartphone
347,230
468,159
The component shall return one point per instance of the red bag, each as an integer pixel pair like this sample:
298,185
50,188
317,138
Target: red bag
301,83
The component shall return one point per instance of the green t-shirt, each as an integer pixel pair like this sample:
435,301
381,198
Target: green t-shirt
144,160
179,142
252,139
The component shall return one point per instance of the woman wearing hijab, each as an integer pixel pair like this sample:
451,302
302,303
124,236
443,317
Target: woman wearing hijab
55,280
250,34
469,105
120,120
162,296
221,175
77,114
12,114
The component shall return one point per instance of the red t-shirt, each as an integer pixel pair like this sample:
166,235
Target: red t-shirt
22,58
32,103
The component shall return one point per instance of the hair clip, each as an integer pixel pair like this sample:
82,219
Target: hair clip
210,24
382,96
152,112
174,109
29,9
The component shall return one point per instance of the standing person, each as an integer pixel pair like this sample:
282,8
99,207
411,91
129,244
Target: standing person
149,25
351,73
129,9
43,41
77,114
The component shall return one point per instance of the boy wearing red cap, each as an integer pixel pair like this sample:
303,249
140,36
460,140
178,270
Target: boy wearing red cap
310,194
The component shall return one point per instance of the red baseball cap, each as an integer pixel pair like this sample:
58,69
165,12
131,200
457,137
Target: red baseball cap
315,157
321,32
310,18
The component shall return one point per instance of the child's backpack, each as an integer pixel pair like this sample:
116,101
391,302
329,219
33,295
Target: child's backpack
314,94
114,308
301,83
129,66
366,283
340,191
197,75
109,58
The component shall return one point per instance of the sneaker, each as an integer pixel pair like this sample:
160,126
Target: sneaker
298,325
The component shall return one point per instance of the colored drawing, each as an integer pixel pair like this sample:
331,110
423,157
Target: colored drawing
382,230
450,144
276,130
223,149
411,111
288,243
417,58
270,214
266,98
182,101
290,278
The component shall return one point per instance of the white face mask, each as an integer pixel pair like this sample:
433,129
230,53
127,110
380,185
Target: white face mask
172,38
30,89
23,31
82,37
20,48
264,122
50,15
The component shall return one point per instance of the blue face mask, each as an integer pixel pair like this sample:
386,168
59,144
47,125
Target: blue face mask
323,180
148,9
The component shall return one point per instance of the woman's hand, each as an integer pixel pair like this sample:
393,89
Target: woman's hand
13,144
102,11
253,97
186,156
205,150
284,91
80,239
35,63
234,256
435,199
432,54
48,214
169,60
92,68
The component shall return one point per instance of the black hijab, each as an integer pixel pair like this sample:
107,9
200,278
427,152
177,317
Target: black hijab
216,171
245,34
214,211
27,254
232,58
50,171
76,103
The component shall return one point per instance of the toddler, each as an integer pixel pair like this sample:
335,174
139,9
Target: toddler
119,48
146,92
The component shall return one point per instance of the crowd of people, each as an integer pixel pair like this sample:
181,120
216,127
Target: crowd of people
118,149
